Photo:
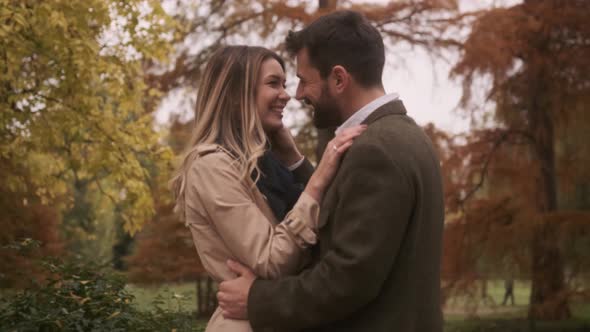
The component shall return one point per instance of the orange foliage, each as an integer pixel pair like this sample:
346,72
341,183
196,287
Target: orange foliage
23,217
164,252
536,57
164,249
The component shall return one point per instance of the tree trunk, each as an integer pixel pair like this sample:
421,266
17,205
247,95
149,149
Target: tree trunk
200,300
548,300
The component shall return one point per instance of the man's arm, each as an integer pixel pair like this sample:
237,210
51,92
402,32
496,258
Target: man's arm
369,222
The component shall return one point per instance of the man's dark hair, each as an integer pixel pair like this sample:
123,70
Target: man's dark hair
344,38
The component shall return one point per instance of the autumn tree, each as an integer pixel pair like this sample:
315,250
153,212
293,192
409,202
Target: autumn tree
164,250
535,56
73,112
262,22
487,219
266,22
24,218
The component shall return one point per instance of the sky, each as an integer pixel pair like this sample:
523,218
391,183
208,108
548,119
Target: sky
424,85
426,90
422,82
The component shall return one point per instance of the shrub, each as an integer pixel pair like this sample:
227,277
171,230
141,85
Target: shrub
81,296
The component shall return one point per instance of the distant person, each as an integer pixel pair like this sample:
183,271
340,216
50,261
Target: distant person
376,267
243,174
508,291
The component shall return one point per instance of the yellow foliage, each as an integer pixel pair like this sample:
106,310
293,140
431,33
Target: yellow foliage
73,99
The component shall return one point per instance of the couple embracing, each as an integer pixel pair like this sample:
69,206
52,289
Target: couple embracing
352,245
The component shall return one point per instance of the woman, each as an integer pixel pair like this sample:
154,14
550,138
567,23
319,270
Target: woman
219,187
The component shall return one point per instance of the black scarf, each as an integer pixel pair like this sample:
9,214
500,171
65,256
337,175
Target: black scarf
278,185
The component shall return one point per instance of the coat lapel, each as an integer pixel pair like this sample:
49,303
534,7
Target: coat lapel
395,107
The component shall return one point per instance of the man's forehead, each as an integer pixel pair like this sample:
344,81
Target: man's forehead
304,67
302,57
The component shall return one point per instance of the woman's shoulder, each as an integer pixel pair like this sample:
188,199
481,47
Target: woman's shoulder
213,167
207,148
212,156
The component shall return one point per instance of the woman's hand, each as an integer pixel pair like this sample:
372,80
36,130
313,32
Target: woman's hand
324,173
284,148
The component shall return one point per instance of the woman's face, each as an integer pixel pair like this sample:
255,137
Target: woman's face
271,97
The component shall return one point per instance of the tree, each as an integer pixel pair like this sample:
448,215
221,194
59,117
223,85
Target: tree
73,103
164,250
266,22
19,268
536,57
487,218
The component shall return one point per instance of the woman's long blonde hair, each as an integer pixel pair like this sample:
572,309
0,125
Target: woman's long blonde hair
226,113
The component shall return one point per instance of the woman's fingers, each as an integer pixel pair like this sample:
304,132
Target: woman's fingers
342,148
331,161
348,134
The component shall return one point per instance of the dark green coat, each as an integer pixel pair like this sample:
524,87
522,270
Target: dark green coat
377,265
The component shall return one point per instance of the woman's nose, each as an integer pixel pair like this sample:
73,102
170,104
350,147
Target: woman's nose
284,95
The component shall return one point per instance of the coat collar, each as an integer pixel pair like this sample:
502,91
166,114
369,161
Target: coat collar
395,107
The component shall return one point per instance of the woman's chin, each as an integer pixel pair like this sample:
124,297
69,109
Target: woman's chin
273,128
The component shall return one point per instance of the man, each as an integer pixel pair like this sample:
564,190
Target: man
508,291
377,264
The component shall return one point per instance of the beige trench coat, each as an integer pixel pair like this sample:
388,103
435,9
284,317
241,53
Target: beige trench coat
229,218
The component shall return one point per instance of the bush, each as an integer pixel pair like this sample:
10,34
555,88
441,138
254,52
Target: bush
80,296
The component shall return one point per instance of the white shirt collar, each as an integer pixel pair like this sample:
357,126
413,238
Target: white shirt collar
359,116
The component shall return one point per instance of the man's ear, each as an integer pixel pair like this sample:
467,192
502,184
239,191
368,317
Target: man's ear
339,78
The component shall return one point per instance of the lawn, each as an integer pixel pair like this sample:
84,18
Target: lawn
172,297
462,314
461,307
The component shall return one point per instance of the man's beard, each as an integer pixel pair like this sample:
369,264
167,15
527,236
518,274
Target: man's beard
326,113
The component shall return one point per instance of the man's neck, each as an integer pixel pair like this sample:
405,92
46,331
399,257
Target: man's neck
360,99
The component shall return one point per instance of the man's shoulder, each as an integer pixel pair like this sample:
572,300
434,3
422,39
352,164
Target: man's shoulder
393,123
396,130
385,134
394,140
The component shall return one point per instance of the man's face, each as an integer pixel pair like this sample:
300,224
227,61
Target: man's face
314,91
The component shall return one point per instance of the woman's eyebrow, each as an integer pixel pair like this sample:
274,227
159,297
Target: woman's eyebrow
275,76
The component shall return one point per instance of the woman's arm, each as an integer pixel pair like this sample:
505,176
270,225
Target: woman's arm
269,250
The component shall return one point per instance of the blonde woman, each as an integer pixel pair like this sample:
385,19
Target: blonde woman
232,190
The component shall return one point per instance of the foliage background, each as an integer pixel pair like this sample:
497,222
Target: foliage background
83,165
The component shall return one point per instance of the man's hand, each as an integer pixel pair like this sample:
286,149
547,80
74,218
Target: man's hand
233,294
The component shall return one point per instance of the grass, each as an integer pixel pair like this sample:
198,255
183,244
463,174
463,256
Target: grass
172,297
462,314
476,314
515,325
475,305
